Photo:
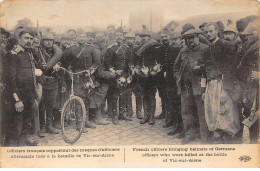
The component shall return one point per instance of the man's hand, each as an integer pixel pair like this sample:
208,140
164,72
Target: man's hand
19,106
92,70
112,74
38,72
255,75
252,116
63,89
119,72
56,67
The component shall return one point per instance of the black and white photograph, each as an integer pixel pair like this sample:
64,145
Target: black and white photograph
121,72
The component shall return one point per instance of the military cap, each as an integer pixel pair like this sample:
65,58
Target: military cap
100,37
57,39
130,34
187,27
220,25
250,29
241,24
175,35
28,30
203,25
165,30
191,32
119,29
4,32
111,26
48,35
72,30
91,34
144,33
230,28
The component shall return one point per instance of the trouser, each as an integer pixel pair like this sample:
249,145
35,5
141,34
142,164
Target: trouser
82,93
19,123
112,99
148,92
47,105
138,98
192,107
173,105
125,104
163,95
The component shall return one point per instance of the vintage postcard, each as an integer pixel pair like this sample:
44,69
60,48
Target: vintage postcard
129,83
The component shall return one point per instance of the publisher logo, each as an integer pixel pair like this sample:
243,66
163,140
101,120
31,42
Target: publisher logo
244,158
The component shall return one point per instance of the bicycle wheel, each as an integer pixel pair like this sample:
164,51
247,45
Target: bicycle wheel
73,117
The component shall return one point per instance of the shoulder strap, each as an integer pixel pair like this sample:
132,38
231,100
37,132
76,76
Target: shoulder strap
81,52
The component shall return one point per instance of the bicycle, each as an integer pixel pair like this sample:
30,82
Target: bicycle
72,118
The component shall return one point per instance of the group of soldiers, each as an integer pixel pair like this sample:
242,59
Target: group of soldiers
207,80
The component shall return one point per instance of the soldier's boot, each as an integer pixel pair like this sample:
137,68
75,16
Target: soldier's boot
57,116
146,112
122,109
168,119
115,117
31,140
104,110
49,122
109,109
79,125
152,111
129,108
139,104
163,114
98,119
88,122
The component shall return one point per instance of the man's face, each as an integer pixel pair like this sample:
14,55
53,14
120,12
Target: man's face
165,38
229,36
65,42
145,38
110,32
26,40
81,39
176,41
47,43
192,41
72,33
130,41
36,42
211,32
90,39
119,37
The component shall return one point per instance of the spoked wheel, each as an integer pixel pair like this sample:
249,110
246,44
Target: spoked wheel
73,117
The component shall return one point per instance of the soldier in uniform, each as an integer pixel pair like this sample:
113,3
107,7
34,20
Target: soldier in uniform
167,83
110,35
116,61
145,62
190,72
90,38
22,83
83,57
50,55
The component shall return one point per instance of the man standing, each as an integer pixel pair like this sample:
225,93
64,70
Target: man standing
190,73
166,82
223,89
116,61
110,35
22,84
145,61
83,57
50,55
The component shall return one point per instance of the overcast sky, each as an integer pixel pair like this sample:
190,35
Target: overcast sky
82,13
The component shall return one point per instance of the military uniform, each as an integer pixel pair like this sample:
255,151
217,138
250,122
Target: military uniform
189,86
166,84
84,57
22,86
146,56
51,82
117,57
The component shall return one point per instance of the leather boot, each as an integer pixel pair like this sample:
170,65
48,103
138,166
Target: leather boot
115,117
139,104
98,119
88,123
163,114
146,112
49,123
122,108
152,111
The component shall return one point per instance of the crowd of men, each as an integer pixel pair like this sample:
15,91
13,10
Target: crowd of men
207,79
